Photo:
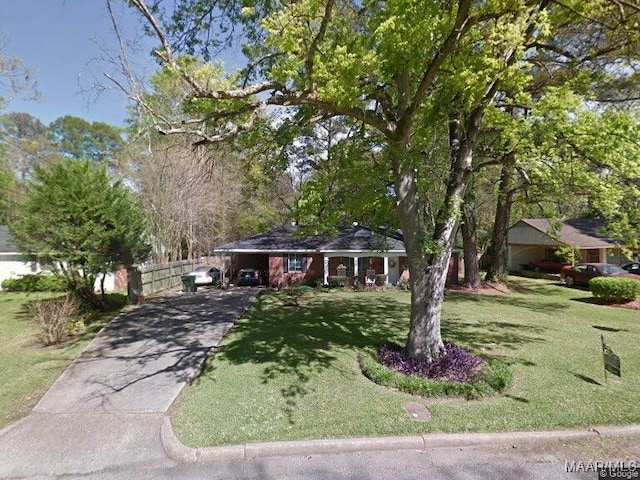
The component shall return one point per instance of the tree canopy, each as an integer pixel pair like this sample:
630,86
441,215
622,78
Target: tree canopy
74,216
426,78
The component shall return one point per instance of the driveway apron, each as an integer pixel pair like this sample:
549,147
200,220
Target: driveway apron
107,407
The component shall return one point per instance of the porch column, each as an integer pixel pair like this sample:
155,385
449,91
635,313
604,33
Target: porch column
325,261
386,269
355,267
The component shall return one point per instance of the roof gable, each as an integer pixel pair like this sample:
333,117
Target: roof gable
583,232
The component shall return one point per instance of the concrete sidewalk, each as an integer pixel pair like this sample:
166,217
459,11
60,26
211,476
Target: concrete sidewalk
108,407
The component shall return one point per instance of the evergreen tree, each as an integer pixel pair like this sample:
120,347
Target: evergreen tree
86,225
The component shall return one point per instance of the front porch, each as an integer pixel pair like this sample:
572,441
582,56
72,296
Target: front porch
364,268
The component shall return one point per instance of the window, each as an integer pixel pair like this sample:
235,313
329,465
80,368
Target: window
349,262
591,255
295,263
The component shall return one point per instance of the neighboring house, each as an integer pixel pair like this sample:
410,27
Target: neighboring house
284,256
532,240
13,263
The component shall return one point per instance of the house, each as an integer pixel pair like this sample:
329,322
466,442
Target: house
284,255
533,240
13,263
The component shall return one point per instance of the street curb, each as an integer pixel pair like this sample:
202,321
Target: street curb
181,453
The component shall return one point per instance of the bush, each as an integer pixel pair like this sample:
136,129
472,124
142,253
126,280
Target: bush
41,282
381,279
455,364
337,280
490,377
615,288
53,316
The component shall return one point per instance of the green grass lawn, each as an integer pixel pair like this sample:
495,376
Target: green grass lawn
291,372
27,369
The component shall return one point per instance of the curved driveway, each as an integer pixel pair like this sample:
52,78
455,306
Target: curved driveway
107,407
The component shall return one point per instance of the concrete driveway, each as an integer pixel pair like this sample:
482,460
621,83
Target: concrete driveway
107,408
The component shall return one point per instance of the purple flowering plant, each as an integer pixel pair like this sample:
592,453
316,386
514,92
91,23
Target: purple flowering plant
454,364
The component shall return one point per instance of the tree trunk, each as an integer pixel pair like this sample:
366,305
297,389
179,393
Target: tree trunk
102,280
428,268
469,244
498,249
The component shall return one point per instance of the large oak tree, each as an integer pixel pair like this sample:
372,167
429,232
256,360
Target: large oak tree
396,67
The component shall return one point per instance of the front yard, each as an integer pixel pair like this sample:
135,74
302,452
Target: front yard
291,372
27,369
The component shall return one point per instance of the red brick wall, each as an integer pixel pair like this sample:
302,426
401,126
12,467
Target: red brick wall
277,277
121,279
276,272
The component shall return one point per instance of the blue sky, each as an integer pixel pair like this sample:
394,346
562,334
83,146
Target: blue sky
56,41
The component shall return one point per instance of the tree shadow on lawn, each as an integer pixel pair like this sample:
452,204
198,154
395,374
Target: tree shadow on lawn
297,342
487,338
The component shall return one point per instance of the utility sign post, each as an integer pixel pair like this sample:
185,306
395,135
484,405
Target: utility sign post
611,360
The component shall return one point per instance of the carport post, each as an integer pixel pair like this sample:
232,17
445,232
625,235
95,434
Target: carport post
325,262
386,269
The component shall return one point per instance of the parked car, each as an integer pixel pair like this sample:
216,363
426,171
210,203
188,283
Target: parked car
550,265
583,272
249,276
633,267
206,275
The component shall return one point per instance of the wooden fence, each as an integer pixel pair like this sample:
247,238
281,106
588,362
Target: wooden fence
148,279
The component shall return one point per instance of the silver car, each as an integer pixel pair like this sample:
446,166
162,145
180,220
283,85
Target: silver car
206,275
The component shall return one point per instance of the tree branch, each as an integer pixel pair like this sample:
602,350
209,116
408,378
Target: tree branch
460,27
313,48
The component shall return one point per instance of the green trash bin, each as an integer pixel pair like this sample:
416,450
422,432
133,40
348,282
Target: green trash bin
189,283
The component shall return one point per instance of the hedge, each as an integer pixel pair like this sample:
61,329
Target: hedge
337,280
615,288
35,283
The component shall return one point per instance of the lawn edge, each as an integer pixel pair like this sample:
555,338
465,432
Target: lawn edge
177,451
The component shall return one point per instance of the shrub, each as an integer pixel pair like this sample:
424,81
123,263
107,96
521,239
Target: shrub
615,288
381,279
53,316
494,376
337,280
40,282
455,364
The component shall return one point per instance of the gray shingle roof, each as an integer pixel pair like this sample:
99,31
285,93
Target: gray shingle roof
585,232
290,239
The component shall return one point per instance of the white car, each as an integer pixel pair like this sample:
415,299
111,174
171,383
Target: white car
206,275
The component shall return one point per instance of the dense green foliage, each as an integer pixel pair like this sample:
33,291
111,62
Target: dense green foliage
87,225
76,137
429,89
615,288
40,282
